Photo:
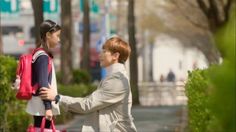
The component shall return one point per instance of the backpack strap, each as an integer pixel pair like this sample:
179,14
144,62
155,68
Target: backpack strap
39,53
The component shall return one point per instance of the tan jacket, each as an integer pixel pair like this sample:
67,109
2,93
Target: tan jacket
108,108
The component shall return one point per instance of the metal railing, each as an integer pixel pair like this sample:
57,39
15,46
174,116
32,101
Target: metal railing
165,93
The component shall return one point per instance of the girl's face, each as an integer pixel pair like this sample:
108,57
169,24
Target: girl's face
107,58
53,39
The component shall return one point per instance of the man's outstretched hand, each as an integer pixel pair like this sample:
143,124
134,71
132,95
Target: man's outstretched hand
47,94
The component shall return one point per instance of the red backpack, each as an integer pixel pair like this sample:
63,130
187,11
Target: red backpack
24,72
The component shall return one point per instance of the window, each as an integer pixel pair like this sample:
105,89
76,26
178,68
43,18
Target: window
7,30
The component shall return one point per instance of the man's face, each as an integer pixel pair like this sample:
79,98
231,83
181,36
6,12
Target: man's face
107,58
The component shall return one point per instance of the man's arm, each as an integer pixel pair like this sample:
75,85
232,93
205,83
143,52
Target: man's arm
112,91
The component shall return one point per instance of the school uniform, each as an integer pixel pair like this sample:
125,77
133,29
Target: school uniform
40,76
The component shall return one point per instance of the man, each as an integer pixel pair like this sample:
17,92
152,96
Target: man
108,107
171,76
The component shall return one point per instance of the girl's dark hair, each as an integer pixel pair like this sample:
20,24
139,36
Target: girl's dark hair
47,26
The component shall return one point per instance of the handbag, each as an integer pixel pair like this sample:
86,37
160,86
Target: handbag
31,128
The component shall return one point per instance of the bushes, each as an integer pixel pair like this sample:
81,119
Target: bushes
79,76
18,119
223,97
80,87
211,93
74,90
12,111
197,90
211,99
223,78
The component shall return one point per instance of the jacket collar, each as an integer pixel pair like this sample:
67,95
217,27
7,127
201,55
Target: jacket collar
114,68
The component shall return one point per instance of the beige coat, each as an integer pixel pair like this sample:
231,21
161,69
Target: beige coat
109,107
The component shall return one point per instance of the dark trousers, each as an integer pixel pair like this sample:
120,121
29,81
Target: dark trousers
38,121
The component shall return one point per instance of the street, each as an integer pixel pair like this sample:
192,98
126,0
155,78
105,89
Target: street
146,119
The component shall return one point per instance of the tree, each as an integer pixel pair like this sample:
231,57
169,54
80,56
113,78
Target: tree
213,14
1,44
133,56
192,22
66,39
38,17
216,11
86,38
121,21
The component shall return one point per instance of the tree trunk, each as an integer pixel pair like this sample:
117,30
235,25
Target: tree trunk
133,56
217,11
66,40
37,6
86,38
1,43
119,18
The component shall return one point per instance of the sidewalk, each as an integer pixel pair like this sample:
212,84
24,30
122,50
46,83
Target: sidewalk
147,119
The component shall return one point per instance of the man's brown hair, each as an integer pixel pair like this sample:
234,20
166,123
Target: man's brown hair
116,44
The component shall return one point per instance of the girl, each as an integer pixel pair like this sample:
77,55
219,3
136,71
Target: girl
50,37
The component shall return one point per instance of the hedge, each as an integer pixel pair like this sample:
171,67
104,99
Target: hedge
197,91
74,90
12,112
211,92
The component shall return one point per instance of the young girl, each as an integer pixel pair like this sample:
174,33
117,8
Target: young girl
50,37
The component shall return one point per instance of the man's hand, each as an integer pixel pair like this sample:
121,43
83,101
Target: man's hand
47,93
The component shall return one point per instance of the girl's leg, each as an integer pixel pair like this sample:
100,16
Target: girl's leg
38,121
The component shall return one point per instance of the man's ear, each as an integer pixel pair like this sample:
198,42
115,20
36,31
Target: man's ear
116,55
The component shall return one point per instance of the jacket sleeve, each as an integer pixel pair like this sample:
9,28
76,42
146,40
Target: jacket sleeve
112,91
42,76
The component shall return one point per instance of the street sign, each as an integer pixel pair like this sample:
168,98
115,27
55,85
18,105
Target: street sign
94,7
51,9
9,6
50,6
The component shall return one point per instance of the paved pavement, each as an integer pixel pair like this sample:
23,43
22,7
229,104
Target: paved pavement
163,109
147,119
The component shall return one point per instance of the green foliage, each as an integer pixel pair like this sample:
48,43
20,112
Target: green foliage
7,66
197,90
76,90
223,78
12,111
79,77
223,97
226,37
18,119
7,74
211,93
